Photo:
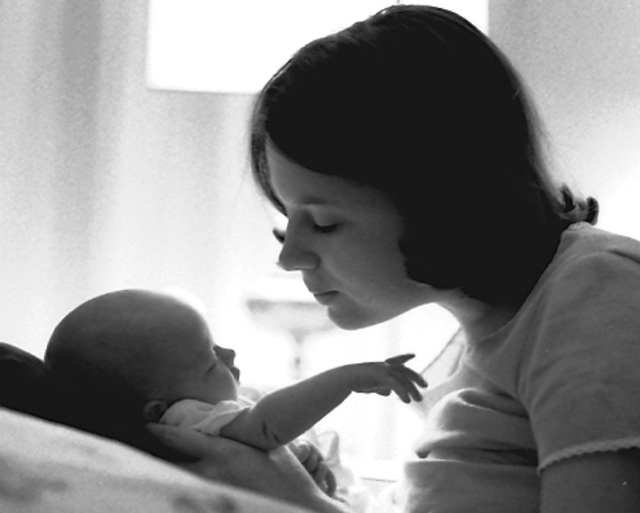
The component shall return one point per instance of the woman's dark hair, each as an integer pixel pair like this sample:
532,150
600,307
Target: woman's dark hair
418,103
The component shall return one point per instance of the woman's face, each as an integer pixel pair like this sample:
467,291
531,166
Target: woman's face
343,237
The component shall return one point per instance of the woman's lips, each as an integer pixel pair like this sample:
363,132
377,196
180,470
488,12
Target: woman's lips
324,298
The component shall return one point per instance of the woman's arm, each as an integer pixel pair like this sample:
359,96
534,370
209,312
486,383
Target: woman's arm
277,474
593,483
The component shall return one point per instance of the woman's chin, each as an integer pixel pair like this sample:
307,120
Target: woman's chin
351,320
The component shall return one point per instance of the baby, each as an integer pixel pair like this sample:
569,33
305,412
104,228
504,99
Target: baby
150,356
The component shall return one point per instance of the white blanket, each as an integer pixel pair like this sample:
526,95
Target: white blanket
48,468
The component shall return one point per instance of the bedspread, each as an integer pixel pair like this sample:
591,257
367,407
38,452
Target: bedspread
49,468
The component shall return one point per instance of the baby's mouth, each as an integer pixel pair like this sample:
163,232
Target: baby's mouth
236,373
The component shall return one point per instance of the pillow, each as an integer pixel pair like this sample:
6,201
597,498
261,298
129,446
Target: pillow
49,468
26,385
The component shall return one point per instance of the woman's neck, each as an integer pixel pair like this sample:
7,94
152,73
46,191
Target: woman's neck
480,320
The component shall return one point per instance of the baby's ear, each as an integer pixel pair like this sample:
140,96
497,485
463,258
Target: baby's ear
154,410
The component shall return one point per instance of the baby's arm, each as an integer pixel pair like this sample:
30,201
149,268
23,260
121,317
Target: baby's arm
285,414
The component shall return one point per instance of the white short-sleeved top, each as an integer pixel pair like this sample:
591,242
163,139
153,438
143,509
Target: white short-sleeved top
204,417
560,380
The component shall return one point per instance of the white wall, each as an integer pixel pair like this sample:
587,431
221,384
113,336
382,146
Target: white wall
581,58
106,183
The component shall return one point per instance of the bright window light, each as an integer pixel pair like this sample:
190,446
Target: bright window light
235,46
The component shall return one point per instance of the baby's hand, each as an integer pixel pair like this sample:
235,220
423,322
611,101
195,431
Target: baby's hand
384,377
313,461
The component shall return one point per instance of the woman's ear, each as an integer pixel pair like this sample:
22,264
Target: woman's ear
154,410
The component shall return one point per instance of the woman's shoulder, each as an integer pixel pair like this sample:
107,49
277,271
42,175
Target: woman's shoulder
587,253
592,267
583,239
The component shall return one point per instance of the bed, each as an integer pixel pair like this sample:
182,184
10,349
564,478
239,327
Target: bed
50,468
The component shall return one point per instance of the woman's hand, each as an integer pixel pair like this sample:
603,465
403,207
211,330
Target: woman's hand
277,474
313,461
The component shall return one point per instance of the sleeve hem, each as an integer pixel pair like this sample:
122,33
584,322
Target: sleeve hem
590,448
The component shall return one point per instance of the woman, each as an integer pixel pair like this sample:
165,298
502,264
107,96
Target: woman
404,153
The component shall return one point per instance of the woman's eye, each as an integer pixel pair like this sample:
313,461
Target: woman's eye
325,228
280,235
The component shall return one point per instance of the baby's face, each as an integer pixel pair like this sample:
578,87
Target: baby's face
196,368
211,376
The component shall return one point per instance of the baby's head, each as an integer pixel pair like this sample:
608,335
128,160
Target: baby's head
138,351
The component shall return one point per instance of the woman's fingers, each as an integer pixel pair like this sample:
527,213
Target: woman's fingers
312,461
325,479
331,484
320,474
301,449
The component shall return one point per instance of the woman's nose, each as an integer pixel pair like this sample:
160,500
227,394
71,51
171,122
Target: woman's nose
296,255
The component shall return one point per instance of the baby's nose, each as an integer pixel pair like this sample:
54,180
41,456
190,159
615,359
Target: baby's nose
228,355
